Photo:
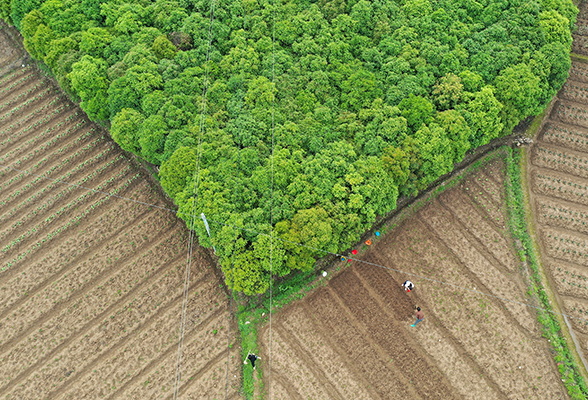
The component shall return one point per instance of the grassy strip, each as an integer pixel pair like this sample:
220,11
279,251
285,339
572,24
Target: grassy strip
252,316
568,369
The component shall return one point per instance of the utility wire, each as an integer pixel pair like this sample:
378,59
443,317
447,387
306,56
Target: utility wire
269,385
235,192
193,216
252,231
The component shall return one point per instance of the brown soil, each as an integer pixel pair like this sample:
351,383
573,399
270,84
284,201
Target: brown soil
353,338
91,285
558,176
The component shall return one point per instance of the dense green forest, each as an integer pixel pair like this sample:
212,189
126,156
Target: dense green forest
361,101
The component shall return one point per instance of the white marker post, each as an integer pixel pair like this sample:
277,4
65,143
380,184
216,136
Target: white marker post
207,228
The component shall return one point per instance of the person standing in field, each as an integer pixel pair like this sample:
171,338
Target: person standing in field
252,357
408,286
419,316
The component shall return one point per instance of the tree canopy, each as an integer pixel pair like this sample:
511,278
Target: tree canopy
356,103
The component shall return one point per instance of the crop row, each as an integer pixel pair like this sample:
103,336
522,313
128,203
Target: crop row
566,211
62,163
79,168
26,103
565,218
49,187
572,274
41,135
575,93
563,183
14,74
565,134
582,319
558,157
44,120
579,44
72,221
22,94
567,240
28,171
54,215
16,83
29,116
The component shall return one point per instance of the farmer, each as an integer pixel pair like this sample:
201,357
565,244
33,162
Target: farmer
419,316
251,357
408,286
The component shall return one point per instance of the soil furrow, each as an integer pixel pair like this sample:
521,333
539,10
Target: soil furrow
489,337
10,88
562,160
104,289
48,208
103,265
481,200
570,279
47,239
104,339
494,190
26,106
355,341
310,343
21,125
565,245
69,321
94,230
91,154
290,361
564,136
157,347
56,129
391,336
570,216
489,278
474,222
435,340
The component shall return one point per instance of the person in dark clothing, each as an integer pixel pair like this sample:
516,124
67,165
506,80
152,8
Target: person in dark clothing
419,316
252,357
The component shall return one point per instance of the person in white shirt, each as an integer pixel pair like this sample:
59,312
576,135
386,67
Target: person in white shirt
408,286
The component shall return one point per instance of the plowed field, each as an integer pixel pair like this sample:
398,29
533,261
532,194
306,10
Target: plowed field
558,176
91,281
353,337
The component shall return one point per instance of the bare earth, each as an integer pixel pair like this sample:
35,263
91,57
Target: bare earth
91,285
558,176
353,337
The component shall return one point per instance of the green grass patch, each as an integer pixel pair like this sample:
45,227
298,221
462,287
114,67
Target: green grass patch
569,371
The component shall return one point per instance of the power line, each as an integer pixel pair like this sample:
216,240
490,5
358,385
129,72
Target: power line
302,245
195,189
272,196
